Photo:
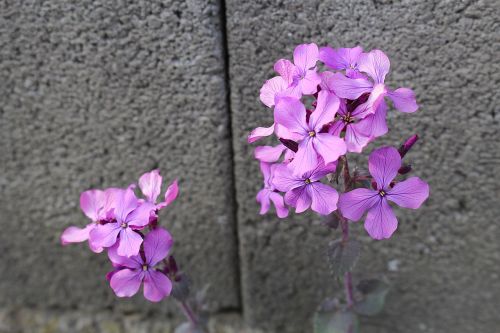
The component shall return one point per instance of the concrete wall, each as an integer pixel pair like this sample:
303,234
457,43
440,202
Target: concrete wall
94,93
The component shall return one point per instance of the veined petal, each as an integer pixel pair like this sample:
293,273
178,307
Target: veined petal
384,164
380,221
130,243
321,171
376,64
157,243
284,180
305,56
374,125
286,69
126,282
264,200
375,99
323,198
271,88
265,168
329,147
291,113
355,203
345,87
150,185
325,111
139,217
133,262
125,202
354,140
309,83
269,153
279,204
170,195
259,133
91,203
342,58
299,198
76,235
404,100
306,158
104,235
156,286
410,193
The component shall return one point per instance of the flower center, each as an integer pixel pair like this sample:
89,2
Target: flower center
382,193
123,225
312,133
144,267
307,181
347,119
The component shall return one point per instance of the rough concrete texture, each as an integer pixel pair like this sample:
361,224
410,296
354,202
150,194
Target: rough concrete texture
93,94
443,261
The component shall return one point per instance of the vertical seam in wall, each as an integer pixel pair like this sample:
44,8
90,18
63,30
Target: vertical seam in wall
225,56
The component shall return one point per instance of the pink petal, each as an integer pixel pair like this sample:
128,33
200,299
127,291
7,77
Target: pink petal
345,87
76,235
380,221
259,133
324,198
299,198
286,69
375,99
134,262
374,125
306,158
279,204
283,132
410,193
91,203
321,171
326,81
156,286
284,180
263,199
265,169
269,153
150,185
104,235
354,140
305,56
130,243
404,100
157,243
384,164
126,282
329,147
325,111
336,128
376,64
354,204
271,88
139,217
291,113
170,195
342,58
309,84
125,202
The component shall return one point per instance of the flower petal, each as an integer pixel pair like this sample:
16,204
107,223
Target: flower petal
263,198
284,180
376,64
170,195
384,164
126,282
380,221
324,198
279,204
130,243
91,203
76,235
410,193
321,171
306,158
345,87
342,58
286,69
291,113
354,140
325,111
124,203
375,99
404,100
374,125
309,83
305,56
156,286
270,89
134,262
329,147
299,198
104,235
157,243
259,133
354,204
150,185
269,153
139,217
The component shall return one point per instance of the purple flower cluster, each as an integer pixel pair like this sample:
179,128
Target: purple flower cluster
127,227
320,116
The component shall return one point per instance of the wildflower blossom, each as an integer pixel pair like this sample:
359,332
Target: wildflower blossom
268,193
150,185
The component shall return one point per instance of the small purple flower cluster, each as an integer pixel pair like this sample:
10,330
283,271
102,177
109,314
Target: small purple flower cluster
319,117
127,227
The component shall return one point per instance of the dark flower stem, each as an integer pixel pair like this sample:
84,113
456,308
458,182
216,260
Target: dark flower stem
345,237
188,312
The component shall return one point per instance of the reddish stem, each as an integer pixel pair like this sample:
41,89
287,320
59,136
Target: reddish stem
345,237
188,312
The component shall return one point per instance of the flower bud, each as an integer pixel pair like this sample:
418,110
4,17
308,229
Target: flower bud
405,147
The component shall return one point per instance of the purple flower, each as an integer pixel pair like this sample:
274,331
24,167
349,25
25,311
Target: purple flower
376,65
132,271
268,193
269,154
129,215
381,222
342,59
292,114
150,184
307,190
95,204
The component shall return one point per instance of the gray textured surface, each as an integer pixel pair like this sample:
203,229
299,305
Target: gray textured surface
448,251
92,95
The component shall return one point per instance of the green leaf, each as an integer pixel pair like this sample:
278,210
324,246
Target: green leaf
341,321
343,255
373,297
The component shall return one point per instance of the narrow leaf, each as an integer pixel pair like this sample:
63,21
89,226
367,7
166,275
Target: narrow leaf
343,255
